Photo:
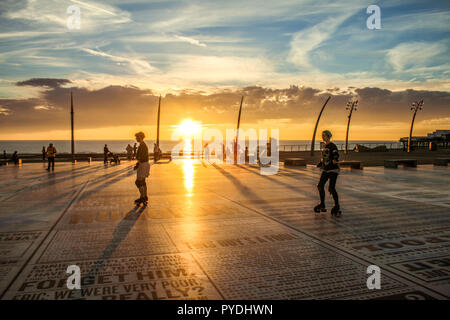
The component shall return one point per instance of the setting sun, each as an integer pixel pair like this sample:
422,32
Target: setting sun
188,128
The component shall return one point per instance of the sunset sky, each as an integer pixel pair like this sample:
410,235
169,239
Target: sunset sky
285,57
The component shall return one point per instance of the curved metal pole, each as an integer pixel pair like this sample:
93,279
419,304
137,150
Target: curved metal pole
411,129
157,125
348,127
237,131
72,129
239,119
313,141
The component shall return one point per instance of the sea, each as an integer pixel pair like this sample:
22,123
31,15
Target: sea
118,146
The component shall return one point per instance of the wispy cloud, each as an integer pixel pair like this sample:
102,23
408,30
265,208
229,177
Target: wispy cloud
138,65
414,54
191,41
306,40
53,13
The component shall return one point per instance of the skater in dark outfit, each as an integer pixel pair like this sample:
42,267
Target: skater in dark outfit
142,169
330,170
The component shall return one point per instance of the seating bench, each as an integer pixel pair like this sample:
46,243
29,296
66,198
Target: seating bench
352,164
441,161
393,163
295,162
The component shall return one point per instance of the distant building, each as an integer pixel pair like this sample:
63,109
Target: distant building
440,138
439,133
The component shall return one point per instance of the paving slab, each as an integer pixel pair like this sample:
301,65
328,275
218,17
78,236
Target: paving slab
222,232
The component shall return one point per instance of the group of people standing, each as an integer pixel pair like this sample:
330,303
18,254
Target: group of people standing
14,157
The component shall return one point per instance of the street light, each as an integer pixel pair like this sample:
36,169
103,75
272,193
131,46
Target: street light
416,105
351,105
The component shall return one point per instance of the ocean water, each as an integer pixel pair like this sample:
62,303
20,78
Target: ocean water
96,146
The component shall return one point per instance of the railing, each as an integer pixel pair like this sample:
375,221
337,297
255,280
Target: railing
341,146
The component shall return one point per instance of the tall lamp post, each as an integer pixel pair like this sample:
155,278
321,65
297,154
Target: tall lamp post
416,105
351,105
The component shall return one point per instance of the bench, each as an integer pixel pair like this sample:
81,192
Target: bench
352,164
441,161
295,162
405,162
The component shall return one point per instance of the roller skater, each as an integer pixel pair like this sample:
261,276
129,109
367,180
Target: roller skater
330,170
142,168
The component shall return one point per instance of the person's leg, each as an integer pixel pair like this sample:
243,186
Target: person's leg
144,190
321,187
332,187
142,187
53,163
49,163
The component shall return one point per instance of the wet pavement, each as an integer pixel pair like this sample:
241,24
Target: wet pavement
222,232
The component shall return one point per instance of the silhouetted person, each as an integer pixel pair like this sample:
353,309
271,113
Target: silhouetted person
115,158
247,157
155,153
4,154
330,170
134,150
142,168
15,158
43,153
129,149
51,153
206,151
105,154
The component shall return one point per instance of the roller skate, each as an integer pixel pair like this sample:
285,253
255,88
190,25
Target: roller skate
138,201
336,211
143,201
320,208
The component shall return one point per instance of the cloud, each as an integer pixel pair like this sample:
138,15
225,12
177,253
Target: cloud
414,54
138,65
52,13
129,106
191,41
308,39
44,82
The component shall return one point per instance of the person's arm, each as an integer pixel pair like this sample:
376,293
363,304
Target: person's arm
335,155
